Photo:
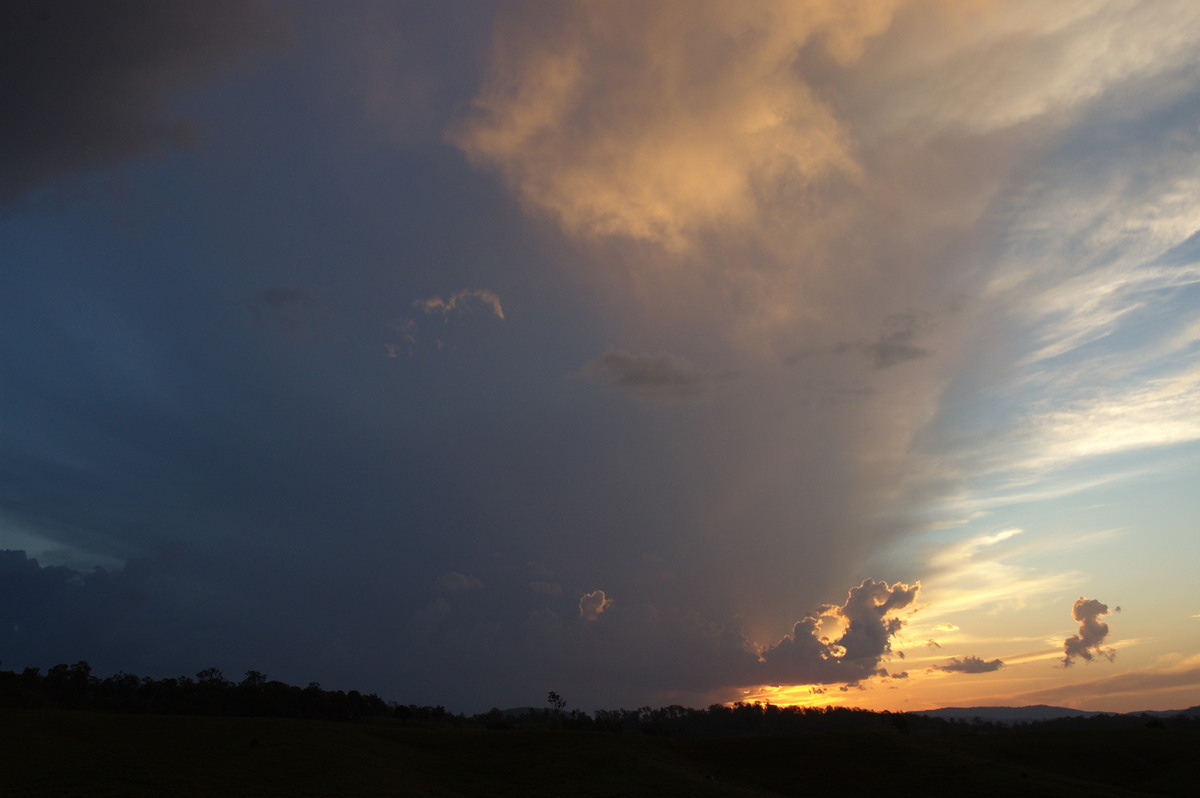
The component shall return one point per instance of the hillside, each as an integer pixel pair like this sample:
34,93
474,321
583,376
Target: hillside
63,753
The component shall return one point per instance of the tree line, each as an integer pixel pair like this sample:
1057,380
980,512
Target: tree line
207,693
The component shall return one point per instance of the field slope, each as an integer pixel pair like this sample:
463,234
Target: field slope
59,753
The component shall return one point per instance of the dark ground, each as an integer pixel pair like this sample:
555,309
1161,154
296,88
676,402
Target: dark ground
49,753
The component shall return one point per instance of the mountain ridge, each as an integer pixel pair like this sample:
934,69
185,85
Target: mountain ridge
1039,712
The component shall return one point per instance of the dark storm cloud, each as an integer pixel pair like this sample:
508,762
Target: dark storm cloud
185,612
970,664
661,375
454,582
57,614
1088,644
86,85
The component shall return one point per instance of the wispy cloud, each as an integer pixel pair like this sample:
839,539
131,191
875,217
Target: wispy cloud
1139,685
973,574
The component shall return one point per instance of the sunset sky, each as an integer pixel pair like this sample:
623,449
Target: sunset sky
647,352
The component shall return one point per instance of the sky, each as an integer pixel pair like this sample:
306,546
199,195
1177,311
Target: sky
649,353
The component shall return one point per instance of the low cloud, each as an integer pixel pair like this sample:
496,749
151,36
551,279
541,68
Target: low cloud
970,664
460,301
592,605
806,656
1088,644
662,375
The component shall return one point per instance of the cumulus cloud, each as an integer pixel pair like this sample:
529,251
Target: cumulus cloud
806,656
593,605
1088,644
86,85
660,375
970,664
461,300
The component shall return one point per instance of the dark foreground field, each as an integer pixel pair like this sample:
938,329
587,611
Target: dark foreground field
48,753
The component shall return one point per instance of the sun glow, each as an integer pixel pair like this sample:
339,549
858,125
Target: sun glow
795,695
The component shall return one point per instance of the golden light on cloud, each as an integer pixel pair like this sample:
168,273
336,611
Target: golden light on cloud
656,121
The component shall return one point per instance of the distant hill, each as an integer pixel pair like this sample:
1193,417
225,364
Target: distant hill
1036,713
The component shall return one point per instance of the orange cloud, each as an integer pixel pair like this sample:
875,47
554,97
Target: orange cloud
593,605
656,121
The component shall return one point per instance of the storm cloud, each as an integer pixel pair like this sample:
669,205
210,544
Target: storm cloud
86,85
974,223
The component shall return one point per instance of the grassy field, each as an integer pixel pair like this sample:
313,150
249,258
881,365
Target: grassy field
57,753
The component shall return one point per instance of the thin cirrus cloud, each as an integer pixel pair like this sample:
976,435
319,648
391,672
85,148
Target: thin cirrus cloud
1141,686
